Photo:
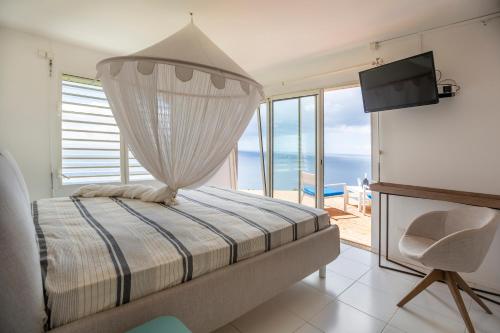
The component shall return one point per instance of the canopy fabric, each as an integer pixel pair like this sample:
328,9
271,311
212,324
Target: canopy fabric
190,45
181,106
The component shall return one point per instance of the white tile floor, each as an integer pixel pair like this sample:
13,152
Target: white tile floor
357,296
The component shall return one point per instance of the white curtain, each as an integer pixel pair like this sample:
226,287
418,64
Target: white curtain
180,123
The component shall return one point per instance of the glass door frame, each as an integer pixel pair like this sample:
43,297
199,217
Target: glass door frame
374,132
263,170
319,141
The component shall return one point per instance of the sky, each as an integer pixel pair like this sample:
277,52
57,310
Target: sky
347,127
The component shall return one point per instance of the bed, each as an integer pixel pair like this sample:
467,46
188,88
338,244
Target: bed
109,264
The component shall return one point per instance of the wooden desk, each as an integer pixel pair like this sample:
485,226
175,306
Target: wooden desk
410,191
467,198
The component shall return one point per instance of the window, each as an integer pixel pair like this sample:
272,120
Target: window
135,170
91,146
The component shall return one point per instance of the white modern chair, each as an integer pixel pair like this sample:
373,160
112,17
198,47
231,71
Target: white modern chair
450,242
365,196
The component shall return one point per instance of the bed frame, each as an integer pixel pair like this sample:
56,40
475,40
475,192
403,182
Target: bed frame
203,304
215,299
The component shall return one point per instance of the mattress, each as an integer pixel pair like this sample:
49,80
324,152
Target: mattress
99,253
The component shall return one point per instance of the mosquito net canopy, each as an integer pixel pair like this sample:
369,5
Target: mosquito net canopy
181,106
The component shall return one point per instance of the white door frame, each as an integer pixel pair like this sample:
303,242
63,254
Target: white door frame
318,94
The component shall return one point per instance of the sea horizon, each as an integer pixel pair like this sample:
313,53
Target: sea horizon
339,168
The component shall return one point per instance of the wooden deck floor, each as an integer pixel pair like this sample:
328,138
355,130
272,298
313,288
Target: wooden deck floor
355,227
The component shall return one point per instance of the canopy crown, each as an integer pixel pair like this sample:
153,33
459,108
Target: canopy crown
187,47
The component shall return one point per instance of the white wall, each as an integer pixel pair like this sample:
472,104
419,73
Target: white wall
24,105
454,144
29,103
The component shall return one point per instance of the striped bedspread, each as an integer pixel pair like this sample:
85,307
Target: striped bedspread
98,253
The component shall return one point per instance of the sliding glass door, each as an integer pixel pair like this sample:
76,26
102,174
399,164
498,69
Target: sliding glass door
285,157
313,149
347,137
307,153
294,149
347,163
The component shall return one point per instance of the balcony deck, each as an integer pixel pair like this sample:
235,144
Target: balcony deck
355,227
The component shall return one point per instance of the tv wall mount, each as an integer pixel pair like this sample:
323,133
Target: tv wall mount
446,87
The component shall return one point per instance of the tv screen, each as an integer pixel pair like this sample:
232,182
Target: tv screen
400,84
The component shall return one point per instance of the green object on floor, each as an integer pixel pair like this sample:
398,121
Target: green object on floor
164,324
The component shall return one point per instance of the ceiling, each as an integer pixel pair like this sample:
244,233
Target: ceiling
257,34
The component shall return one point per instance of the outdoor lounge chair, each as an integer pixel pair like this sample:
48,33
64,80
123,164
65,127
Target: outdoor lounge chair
308,181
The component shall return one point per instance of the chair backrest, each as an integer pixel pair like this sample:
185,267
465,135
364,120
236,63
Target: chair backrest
307,178
21,299
468,217
469,232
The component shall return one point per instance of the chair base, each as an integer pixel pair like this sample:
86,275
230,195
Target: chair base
454,282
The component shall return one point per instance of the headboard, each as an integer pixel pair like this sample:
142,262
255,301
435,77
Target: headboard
21,298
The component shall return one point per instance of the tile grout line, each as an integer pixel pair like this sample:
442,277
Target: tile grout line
455,318
397,308
350,277
350,285
386,323
383,328
296,315
355,308
392,316
357,280
381,289
308,323
337,300
312,324
343,291
236,328
337,296
333,299
352,281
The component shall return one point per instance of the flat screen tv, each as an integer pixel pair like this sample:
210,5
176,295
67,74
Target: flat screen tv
400,84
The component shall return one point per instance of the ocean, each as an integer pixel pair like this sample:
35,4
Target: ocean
338,169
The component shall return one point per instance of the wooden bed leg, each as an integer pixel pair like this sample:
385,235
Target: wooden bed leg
322,272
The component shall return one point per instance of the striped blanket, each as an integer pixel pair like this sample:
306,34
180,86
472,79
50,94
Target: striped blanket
98,253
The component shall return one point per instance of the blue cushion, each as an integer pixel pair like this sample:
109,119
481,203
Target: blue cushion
328,191
164,324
